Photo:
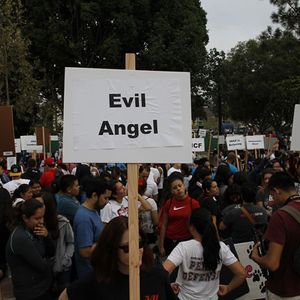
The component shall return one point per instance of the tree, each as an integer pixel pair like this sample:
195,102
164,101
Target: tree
17,85
288,15
262,80
165,35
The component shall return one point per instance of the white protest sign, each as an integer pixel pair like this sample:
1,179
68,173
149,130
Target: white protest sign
128,116
28,143
202,133
220,138
198,145
11,161
255,279
53,137
18,145
295,139
235,142
255,142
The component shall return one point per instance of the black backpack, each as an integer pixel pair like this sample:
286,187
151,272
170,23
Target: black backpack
296,215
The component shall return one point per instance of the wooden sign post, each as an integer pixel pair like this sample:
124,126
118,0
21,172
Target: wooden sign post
209,146
155,126
132,174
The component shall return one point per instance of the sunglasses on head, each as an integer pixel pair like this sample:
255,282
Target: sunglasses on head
125,248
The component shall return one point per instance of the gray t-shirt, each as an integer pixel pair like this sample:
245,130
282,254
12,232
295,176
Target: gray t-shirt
240,228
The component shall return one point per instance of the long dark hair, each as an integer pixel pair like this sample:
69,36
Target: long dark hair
50,217
22,189
202,221
105,257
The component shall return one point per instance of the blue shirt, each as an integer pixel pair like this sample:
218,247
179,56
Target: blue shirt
67,206
87,228
233,169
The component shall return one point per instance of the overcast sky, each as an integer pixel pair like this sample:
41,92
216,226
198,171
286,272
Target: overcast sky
231,21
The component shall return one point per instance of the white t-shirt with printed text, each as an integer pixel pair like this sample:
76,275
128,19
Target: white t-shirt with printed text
114,209
195,282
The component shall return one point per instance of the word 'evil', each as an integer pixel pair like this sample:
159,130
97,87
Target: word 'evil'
115,100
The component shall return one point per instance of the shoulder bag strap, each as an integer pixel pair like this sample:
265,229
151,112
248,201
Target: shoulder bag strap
247,215
11,239
292,212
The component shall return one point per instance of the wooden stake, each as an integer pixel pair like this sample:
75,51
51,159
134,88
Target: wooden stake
237,160
132,175
246,161
33,155
255,153
269,144
44,146
218,152
209,146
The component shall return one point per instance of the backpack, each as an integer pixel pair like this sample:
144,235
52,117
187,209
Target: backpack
293,212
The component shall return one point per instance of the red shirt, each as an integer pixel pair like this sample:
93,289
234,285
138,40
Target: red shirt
179,212
47,178
284,230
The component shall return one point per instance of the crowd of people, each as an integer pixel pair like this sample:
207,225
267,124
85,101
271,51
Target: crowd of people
64,228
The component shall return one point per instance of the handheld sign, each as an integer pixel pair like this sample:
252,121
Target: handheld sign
28,143
198,145
111,114
255,142
18,145
202,133
235,142
295,140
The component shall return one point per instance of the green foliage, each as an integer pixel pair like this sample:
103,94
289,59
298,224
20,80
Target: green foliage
165,35
262,80
287,15
17,85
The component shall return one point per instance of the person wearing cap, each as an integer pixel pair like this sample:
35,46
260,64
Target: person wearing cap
49,174
15,174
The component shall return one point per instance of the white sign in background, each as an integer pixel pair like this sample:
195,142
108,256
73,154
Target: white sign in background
11,161
28,143
202,133
235,142
255,142
295,139
125,115
198,145
18,145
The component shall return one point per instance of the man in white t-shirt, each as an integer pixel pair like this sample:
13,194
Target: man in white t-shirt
114,209
152,190
175,168
155,174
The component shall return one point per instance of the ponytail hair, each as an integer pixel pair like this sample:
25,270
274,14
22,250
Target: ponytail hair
202,221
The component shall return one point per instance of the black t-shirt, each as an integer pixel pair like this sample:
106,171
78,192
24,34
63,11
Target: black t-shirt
153,285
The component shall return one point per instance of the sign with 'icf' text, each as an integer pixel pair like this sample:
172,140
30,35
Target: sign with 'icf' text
235,142
125,115
198,145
